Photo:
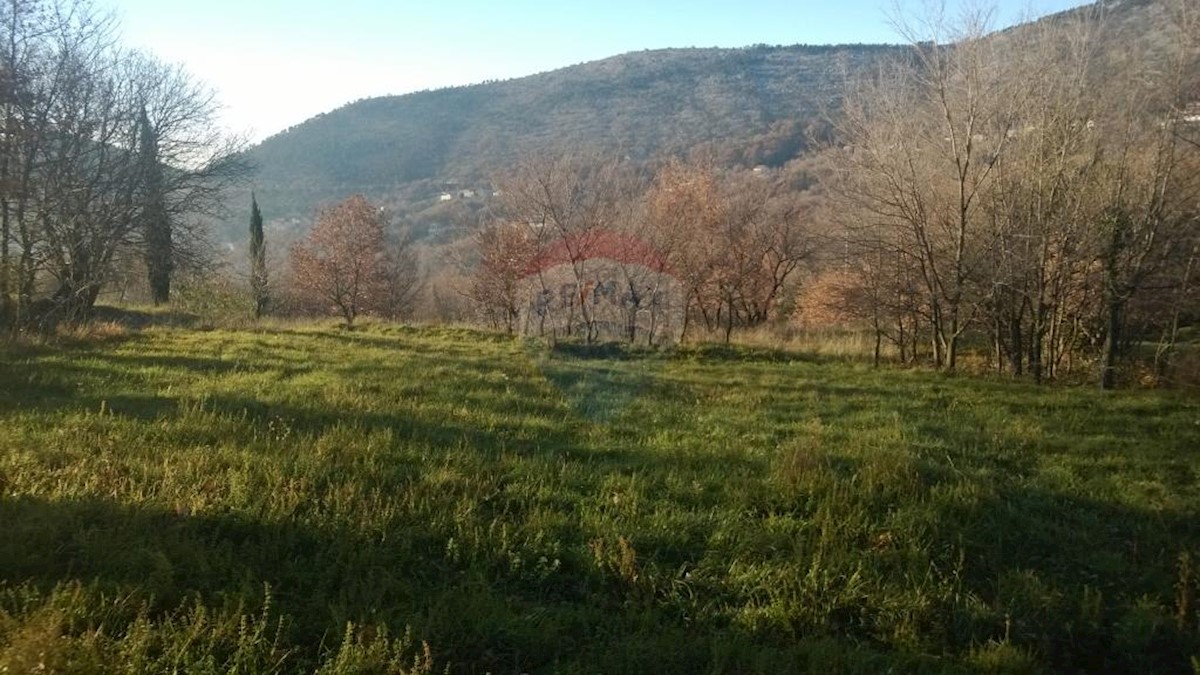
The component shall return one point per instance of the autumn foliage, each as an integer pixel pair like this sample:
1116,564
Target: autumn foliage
731,242
343,266
505,253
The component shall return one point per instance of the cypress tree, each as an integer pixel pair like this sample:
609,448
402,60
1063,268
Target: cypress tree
156,227
258,259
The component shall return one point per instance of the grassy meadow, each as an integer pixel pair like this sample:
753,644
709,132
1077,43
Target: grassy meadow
308,499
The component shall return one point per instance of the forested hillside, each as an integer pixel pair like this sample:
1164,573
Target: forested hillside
755,105
760,101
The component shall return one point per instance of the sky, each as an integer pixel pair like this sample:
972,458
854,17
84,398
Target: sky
275,63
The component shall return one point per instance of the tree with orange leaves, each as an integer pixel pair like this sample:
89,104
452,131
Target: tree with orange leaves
343,264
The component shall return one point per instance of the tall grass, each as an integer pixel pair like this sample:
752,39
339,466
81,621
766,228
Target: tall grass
299,498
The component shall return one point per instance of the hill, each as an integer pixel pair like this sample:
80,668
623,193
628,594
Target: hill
429,156
414,147
288,500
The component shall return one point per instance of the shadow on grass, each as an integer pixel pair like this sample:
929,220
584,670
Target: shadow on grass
1091,586
1087,585
109,382
196,364
601,351
43,386
482,615
444,342
320,578
480,418
1064,577
730,353
134,319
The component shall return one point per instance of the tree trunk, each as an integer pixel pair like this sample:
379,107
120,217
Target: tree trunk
6,305
1112,345
1037,340
952,347
729,320
158,261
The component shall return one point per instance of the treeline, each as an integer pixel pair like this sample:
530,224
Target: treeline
1033,196
107,159
1030,190
729,241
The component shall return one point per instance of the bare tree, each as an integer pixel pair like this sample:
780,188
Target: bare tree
733,241
1037,229
565,199
343,264
1028,182
103,150
925,138
682,208
1146,194
506,251
188,164
53,51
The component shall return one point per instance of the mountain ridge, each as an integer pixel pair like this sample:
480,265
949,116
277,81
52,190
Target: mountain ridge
648,103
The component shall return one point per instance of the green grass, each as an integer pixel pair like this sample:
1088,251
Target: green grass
403,500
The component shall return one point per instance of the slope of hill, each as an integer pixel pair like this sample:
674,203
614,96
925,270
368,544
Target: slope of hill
645,103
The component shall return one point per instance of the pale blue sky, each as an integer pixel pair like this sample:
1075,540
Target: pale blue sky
276,63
